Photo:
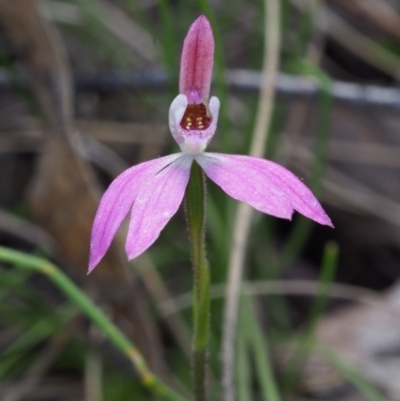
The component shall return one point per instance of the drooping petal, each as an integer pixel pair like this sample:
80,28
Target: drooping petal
197,58
301,198
157,201
242,182
116,203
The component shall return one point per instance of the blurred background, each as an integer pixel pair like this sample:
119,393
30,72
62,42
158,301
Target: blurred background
85,87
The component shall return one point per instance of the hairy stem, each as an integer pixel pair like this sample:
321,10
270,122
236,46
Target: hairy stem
195,199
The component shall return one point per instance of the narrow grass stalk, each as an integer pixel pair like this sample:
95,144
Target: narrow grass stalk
307,340
120,341
168,40
305,50
195,202
351,373
243,369
257,341
244,213
301,230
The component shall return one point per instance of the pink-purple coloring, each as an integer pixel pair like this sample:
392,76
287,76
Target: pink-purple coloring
153,191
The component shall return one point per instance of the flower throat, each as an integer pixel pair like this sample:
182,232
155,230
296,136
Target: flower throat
195,118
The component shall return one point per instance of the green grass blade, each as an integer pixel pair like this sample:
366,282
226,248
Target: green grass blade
307,339
120,341
40,331
352,374
243,370
257,341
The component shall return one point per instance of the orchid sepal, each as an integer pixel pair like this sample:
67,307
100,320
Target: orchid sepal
197,58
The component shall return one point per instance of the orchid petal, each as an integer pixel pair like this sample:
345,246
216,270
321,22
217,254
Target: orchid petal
242,182
116,203
302,199
197,58
157,201
176,112
214,109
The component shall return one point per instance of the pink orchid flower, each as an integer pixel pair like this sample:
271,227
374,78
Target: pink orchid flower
153,191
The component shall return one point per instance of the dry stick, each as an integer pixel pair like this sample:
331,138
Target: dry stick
93,375
244,213
113,19
354,152
99,133
378,12
362,46
282,287
344,191
357,43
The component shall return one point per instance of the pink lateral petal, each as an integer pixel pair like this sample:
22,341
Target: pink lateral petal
116,203
302,198
242,182
197,58
304,201
157,201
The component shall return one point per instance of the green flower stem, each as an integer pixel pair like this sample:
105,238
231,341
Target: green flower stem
195,201
25,261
